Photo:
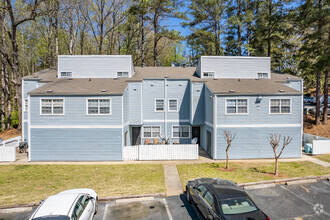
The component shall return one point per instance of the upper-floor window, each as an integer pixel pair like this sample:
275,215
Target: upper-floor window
151,131
159,105
66,74
280,106
262,75
52,106
181,131
236,106
122,74
98,106
208,74
172,105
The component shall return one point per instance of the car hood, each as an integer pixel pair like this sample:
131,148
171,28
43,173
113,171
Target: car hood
258,215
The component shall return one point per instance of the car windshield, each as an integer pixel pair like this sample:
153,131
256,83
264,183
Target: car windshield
237,206
53,217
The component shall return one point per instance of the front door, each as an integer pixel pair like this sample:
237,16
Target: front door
208,141
196,132
136,136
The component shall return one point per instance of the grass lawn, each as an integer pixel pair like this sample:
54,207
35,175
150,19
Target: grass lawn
21,184
249,172
324,157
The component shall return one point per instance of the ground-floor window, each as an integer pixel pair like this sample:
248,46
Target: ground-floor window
181,131
151,131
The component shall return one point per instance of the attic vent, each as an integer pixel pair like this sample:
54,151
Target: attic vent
69,78
35,76
231,91
239,80
50,90
281,90
166,77
103,90
288,77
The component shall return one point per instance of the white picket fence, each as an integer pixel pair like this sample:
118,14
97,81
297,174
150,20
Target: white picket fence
321,145
8,149
161,152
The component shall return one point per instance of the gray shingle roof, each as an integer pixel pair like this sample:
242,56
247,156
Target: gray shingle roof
46,75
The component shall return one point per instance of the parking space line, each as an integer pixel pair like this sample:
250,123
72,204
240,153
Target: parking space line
105,212
167,209
326,183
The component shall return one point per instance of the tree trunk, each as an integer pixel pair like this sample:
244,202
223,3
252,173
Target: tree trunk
239,40
227,161
276,166
142,40
269,29
318,89
326,95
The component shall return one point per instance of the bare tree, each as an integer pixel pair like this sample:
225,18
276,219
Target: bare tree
229,137
274,141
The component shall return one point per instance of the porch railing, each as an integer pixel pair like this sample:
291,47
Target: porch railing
161,152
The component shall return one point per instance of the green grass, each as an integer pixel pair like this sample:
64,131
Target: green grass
249,172
20,184
325,157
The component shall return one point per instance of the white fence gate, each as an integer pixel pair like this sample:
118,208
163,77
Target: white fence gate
8,149
161,152
321,145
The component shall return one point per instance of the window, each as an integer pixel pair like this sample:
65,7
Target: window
280,106
201,190
66,74
159,105
181,131
99,107
172,105
26,104
151,131
209,198
122,74
208,74
77,211
262,75
236,106
52,107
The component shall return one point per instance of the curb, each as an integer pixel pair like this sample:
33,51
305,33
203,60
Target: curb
301,182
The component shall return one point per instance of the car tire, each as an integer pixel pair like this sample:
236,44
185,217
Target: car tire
188,195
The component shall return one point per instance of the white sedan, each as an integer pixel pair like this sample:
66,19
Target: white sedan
74,204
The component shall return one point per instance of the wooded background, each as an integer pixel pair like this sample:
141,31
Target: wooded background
295,34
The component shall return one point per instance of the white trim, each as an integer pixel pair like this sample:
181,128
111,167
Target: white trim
269,101
23,106
180,131
191,102
177,105
179,120
76,126
29,129
122,126
141,101
98,106
214,127
163,104
160,130
257,125
208,123
52,114
25,120
236,114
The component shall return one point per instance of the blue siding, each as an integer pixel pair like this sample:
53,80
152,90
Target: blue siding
259,113
29,85
135,114
208,106
180,90
296,85
253,143
75,112
25,132
127,129
126,106
76,144
198,105
203,142
152,89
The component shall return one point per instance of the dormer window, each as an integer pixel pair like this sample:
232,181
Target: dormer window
262,75
122,74
208,74
66,74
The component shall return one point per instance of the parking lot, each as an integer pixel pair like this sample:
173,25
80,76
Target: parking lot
306,201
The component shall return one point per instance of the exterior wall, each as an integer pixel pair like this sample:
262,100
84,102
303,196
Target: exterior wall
134,103
231,67
198,104
208,106
297,85
126,106
89,66
199,68
75,144
128,141
180,90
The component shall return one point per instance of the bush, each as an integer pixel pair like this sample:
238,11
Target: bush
14,119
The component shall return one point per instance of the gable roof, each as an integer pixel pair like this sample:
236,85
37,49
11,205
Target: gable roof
46,75
165,72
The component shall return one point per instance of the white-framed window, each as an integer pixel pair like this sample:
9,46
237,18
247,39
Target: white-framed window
159,105
122,74
98,106
181,131
52,106
262,75
151,131
173,105
66,74
26,105
237,106
208,74
280,106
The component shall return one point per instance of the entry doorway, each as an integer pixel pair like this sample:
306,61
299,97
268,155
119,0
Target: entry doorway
196,132
208,141
136,136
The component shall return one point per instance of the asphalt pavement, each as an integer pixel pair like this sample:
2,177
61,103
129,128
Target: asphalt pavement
304,201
